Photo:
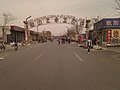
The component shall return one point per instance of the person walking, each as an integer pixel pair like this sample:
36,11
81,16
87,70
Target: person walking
59,41
89,44
16,46
69,41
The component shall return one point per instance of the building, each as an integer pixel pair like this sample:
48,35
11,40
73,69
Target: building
47,34
17,34
108,31
33,36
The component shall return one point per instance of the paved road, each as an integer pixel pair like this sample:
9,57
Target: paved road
50,66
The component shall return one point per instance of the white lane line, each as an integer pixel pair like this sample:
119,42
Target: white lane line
1,58
69,47
78,57
38,57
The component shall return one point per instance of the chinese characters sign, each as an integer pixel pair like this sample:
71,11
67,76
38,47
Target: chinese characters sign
112,23
108,23
52,19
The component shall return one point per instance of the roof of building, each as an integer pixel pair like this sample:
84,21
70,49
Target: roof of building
17,28
107,23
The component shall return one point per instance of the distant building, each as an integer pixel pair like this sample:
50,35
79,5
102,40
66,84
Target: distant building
33,36
108,31
47,34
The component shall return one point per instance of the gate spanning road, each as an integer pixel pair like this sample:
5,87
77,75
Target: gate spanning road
54,19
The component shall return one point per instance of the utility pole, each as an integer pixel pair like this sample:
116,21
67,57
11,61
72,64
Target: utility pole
26,29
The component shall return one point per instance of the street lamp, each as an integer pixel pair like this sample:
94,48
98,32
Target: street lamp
28,18
26,28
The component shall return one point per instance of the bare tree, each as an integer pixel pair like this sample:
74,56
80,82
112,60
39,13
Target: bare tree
6,19
117,5
71,32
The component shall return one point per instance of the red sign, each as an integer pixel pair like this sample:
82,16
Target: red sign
108,36
116,33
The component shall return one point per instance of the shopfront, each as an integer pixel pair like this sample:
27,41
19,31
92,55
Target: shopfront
111,36
108,31
17,34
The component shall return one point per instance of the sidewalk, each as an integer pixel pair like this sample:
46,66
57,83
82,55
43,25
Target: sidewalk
11,48
8,48
114,49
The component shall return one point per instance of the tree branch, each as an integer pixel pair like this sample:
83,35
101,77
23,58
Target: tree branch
7,18
117,5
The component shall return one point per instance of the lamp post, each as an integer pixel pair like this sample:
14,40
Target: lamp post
26,28
28,18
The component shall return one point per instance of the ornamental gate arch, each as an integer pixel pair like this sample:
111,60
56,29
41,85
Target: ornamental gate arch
52,19
55,19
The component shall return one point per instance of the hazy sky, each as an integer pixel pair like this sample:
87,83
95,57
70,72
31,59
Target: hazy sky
36,8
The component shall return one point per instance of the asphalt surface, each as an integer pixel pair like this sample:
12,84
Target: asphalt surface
50,66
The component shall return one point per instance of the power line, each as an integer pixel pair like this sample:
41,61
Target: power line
112,12
108,4
102,2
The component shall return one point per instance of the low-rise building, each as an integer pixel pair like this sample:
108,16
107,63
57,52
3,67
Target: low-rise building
108,31
17,34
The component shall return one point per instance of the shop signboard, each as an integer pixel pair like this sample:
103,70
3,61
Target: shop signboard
111,23
108,23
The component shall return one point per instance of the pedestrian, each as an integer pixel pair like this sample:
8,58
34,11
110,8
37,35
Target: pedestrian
16,46
69,40
58,41
66,40
94,41
98,42
89,44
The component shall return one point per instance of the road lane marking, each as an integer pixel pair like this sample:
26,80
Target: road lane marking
1,58
69,47
78,57
38,57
